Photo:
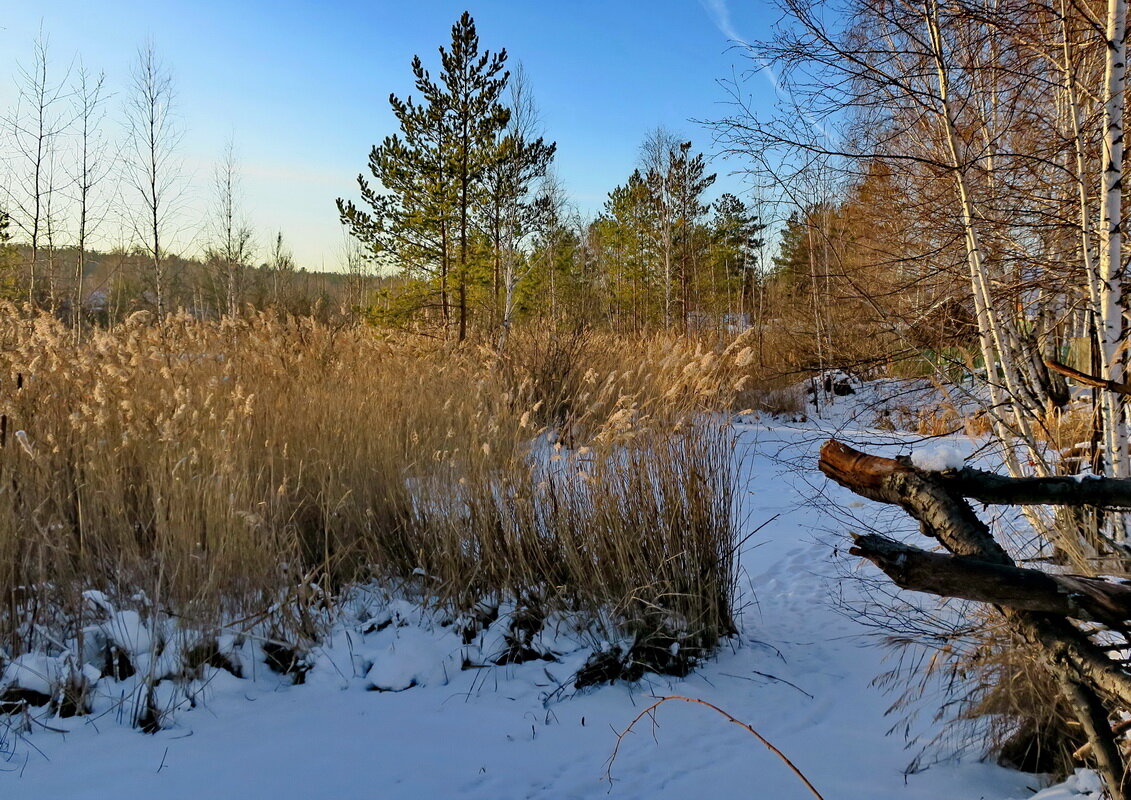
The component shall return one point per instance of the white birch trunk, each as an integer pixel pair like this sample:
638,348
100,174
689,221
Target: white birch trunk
992,340
1111,269
1108,410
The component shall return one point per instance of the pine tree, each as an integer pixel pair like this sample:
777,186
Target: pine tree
410,224
687,182
435,176
632,236
791,264
9,260
474,86
676,182
738,241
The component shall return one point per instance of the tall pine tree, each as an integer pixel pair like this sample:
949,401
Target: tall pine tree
435,176
738,242
687,181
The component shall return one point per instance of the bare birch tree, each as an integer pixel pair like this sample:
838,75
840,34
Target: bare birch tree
36,125
359,269
152,166
1112,265
956,128
997,122
514,214
231,249
92,165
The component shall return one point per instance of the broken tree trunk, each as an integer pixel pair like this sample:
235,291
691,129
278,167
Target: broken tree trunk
968,578
1065,490
1037,606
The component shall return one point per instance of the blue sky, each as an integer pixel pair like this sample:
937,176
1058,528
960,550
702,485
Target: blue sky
302,87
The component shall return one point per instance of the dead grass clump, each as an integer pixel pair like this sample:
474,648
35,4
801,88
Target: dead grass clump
995,694
787,401
942,420
1072,432
242,473
1030,727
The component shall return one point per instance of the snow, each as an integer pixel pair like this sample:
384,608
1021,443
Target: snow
800,671
33,672
414,657
126,630
937,457
1084,784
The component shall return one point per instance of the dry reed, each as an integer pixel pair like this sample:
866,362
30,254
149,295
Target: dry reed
243,473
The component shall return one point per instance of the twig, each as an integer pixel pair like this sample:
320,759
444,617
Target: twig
768,676
650,711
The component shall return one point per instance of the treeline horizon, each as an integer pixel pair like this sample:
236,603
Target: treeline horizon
95,221
447,242
114,285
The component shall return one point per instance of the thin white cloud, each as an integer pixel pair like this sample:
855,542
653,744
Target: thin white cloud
720,16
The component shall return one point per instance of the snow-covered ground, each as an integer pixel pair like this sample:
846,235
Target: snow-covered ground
800,672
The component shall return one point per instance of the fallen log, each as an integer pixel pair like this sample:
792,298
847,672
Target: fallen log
1089,380
944,516
870,476
1062,490
1038,607
967,578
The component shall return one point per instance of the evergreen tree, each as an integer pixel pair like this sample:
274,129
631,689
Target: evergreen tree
410,224
738,242
792,263
676,181
687,181
557,285
435,176
474,85
631,233
9,260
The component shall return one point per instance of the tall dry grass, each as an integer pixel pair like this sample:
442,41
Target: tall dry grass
243,473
